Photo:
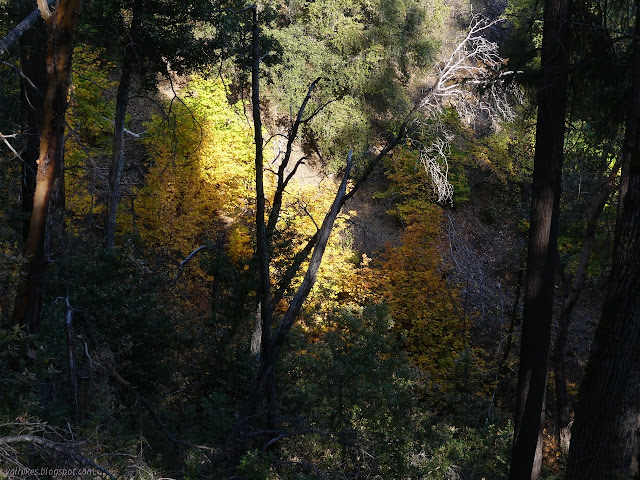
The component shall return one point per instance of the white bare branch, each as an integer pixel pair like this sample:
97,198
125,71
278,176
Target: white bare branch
470,81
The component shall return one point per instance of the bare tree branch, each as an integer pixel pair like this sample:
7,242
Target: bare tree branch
152,411
187,259
59,447
314,264
282,182
11,37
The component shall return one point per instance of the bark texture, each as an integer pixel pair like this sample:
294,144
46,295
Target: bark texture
539,284
49,178
33,85
606,433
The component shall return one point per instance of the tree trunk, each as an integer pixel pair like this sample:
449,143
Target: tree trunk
50,173
606,433
631,136
33,84
262,247
118,158
607,426
539,286
118,155
562,395
263,383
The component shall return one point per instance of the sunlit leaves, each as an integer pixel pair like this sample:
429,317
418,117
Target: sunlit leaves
200,179
421,302
88,144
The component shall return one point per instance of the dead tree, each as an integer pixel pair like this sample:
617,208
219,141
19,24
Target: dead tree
473,62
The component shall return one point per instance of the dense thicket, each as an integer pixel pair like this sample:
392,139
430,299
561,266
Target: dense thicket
289,236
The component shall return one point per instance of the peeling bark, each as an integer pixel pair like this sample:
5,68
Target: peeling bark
33,84
49,178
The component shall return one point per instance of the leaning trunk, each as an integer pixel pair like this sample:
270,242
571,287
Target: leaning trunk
49,178
539,285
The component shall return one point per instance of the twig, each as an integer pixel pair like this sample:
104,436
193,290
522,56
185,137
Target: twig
152,411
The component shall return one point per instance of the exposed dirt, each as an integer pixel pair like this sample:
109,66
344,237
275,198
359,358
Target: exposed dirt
372,228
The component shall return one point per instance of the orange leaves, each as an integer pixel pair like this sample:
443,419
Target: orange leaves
421,302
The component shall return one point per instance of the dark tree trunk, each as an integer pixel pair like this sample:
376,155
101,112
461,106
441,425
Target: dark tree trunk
50,173
631,136
539,286
33,84
118,158
262,246
118,155
606,433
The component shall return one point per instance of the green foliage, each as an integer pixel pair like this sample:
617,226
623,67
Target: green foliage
365,52
366,389
466,452
119,303
169,33
254,466
350,380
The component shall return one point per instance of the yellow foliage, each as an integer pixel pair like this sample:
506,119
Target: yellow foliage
89,143
422,305
201,177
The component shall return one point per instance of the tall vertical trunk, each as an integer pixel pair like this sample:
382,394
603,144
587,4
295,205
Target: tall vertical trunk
606,433
545,208
629,145
265,310
33,84
118,155
50,173
562,395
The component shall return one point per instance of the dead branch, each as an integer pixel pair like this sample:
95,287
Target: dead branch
29,21
187,259
152,411
314,264
282,181
64,448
